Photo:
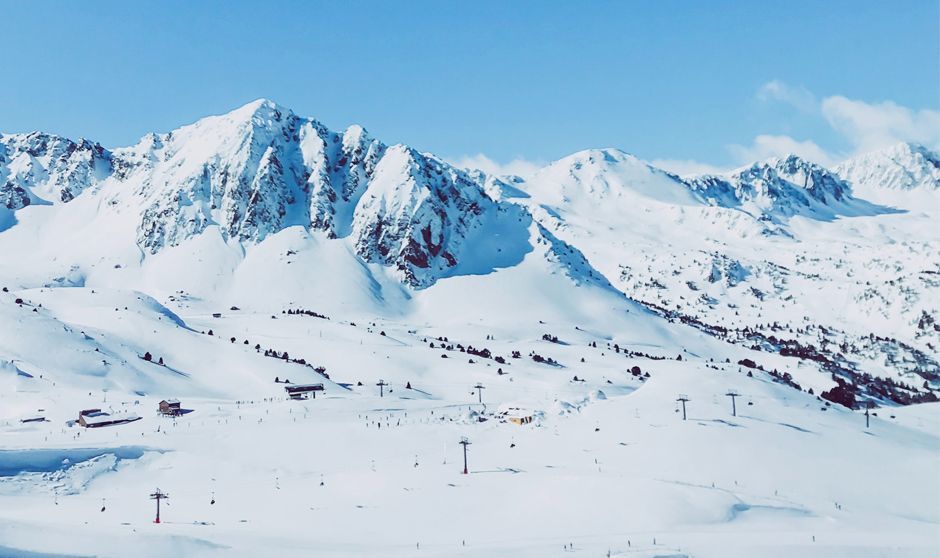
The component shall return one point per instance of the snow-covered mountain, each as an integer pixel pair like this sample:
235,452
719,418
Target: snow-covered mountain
903,167
260,170
268,208
778,189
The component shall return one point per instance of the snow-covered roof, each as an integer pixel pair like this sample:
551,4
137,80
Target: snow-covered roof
304,387
104,418
173,401
514,411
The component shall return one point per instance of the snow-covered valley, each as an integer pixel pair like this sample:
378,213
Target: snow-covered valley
223,262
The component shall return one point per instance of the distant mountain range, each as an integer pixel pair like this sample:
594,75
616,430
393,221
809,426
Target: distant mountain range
261,168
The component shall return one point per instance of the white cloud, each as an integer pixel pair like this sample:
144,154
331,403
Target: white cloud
766,146
518,166
686,167
799,97
870,126
865,126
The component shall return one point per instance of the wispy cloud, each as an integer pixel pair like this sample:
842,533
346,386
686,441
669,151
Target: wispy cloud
871,126
766,146
520,167
797,96
863,125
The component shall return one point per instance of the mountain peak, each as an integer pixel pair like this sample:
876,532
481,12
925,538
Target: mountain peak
258,114
909,147
260,108
606,155
903,167
592,175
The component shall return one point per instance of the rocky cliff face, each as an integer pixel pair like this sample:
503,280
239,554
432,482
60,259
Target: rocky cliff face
417,213
777,189
43,168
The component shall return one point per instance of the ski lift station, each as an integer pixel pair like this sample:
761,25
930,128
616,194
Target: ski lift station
303,391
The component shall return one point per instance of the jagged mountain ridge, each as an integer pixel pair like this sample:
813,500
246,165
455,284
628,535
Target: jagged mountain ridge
770,191
260,169
253,171
776,189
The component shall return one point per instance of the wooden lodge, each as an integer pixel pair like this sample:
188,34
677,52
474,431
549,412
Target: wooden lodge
303,391
170,407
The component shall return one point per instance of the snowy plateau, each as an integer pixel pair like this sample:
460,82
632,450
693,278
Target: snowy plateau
290,330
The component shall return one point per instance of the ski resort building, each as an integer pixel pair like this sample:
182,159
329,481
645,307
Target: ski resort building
170,407
95,418
303,391
515,415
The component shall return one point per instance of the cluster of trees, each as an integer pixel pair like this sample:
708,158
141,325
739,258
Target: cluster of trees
886,389
638,354
469,349
273,354
543,360
843,394
302,312
630,354
785,377
286,357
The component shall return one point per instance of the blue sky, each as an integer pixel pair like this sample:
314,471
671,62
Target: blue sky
681,82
